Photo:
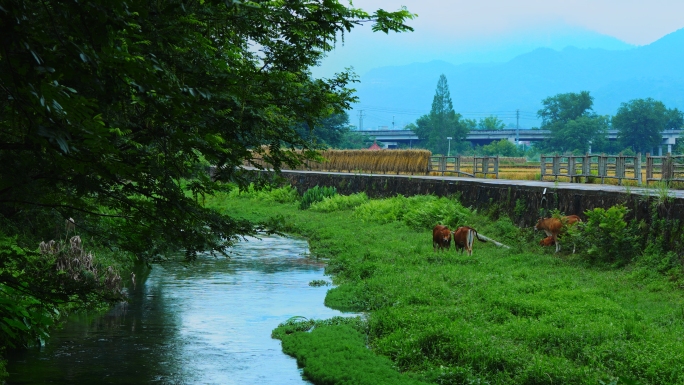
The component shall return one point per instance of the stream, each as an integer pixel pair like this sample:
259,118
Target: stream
208,322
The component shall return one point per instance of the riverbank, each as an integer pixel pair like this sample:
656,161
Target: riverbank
507,316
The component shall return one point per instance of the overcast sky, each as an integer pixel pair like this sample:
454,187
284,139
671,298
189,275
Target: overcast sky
636,22
460,31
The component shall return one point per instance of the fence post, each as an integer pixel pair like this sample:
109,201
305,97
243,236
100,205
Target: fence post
602,169
619,168
637,169
496,167
442,164
543,166
668,168
649,168
458,165
571,168
586,167
556,166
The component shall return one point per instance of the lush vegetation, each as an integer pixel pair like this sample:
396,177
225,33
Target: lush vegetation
520,316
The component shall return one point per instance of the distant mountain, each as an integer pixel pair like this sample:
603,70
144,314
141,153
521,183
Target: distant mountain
612,77
364,50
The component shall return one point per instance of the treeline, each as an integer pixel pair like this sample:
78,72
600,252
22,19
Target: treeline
574,126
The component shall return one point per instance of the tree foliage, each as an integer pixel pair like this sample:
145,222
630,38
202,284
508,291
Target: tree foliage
111,112
641,122
331,131
492,123
572,124
441,122
501,147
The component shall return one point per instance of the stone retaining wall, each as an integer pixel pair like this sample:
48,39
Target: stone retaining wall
522,203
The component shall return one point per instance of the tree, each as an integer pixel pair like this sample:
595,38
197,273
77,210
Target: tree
491,123
572,124
641,122
565,107
353,140
329,132
502,147
441,122
112,112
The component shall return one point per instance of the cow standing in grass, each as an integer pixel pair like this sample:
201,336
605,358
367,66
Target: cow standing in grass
553,227
441,238
464,237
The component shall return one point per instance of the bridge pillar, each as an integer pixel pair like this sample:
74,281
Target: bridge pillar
669,148
660,150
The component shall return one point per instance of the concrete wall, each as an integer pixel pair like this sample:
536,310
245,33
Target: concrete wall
524,203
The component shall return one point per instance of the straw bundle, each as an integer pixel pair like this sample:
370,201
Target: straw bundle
383,161
377,161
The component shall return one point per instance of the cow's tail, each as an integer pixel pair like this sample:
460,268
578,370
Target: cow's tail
478,236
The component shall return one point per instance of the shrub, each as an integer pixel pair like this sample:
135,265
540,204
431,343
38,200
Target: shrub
316,194
382,210
339,202
606,236
418,212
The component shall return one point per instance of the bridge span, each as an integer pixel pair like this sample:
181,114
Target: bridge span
393,138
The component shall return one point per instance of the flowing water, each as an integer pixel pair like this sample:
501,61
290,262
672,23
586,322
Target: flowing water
204,323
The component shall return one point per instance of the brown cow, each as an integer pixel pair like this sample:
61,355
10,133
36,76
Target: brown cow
464,237
441,237
548,241
553,227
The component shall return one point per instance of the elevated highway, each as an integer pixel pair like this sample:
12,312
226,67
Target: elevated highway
392,138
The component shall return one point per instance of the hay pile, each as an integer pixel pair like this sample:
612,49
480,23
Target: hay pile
376,161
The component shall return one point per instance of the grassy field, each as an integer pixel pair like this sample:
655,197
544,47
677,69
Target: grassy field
503,316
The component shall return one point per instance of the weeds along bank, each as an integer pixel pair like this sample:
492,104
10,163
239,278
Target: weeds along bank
43,281
613,312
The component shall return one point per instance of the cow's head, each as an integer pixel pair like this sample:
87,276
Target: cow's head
540,221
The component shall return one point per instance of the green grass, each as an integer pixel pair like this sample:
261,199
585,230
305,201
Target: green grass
503,316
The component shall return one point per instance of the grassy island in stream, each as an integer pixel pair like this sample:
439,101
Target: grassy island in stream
501,316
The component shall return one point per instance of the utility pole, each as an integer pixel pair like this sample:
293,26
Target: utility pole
361,120
392,122
517,126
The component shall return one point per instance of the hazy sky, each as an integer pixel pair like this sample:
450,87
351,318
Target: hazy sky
460,31
636,22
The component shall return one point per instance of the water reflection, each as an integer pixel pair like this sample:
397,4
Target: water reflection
207,323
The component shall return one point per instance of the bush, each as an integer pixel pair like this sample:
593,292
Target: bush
316,194
606,236
339,202
418,212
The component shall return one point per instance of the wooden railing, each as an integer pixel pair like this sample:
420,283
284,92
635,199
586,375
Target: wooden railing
670,168
586,168
461,165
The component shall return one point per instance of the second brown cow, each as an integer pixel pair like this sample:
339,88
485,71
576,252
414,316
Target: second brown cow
464,237
441,238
